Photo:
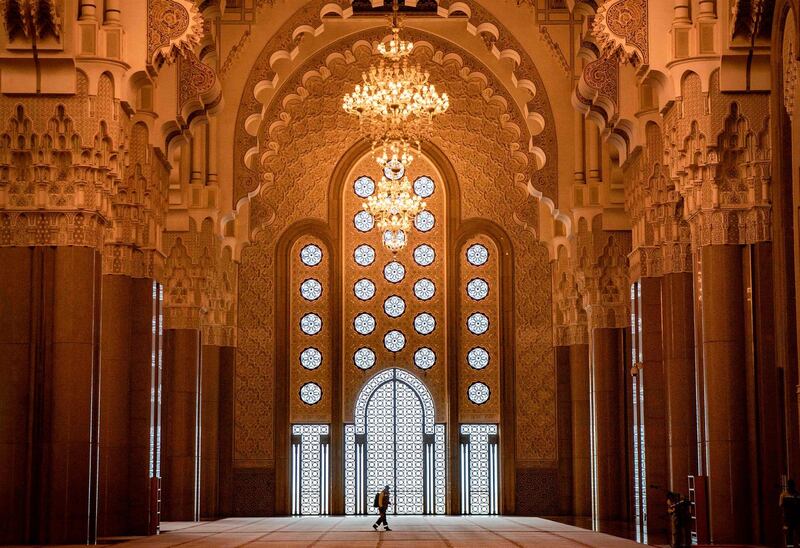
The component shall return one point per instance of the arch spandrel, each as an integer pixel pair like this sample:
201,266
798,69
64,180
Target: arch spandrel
503,46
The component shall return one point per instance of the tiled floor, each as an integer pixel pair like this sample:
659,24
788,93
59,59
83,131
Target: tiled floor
354,532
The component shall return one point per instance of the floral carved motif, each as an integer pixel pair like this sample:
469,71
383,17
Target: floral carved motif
620,28
174,27
196,79
791,68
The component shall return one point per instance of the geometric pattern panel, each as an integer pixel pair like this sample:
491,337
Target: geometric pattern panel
310,469
479,469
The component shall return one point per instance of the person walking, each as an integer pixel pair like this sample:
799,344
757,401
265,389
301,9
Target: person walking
790,507
680,514
382,504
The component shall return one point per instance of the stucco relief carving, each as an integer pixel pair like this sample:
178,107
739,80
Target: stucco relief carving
569,314
791,67
598,89
174,27
719,158
661,235
620,28
61,164
197,84
601,267
200,285
306,19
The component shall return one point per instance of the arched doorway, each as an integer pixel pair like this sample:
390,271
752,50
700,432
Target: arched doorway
394,441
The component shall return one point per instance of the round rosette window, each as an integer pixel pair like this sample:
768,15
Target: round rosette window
310,393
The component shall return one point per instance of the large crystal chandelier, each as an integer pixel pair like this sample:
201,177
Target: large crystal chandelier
395,105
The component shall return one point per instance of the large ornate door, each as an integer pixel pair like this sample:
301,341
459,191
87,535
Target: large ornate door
395,442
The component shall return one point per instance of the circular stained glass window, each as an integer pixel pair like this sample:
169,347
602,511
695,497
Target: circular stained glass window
477,289
363,221
364,323
478,323
394,306
364,358
394,272
477,255
364,289
311,324
424,324
364,255
311,358
424,289
364,186
424,358
310,393
423,186
424,255
394,341
424,221
478,358
394,169
478,393
311,255
311,289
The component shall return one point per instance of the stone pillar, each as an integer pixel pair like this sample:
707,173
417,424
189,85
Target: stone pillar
654,405
209,428
593,147
115,405
227,360
580,149
50,318
180,454
581,423
608,370
564,428
725,394
128,410
677,301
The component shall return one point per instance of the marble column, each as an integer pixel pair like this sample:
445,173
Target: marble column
227,359
677,298
581,438
49,343
128,410
180,455
654,404
608,370
564,430
115,404
209,429
725,383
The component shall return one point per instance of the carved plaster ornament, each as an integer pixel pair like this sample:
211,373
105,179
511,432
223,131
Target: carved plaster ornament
791,69
29,18
174,27
620,28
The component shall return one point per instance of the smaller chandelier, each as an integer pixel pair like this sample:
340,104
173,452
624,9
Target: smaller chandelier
394,240
394,204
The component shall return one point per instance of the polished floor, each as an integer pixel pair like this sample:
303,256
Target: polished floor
353,532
